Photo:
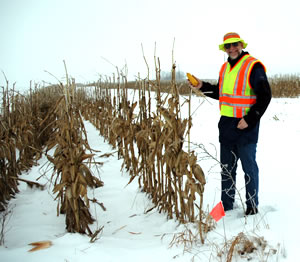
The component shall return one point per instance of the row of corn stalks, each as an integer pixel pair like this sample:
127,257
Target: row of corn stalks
71,173
47,120
151,144
21,136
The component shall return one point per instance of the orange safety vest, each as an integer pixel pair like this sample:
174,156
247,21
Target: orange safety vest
236,95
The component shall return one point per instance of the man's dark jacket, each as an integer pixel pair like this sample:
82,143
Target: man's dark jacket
228,132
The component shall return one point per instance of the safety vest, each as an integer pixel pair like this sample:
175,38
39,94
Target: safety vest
236,95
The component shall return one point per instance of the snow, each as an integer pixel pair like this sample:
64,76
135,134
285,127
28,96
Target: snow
130,233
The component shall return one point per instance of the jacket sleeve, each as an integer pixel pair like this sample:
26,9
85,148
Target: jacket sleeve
262,90
210,90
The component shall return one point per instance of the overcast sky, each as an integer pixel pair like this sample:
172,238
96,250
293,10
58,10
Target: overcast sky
95,36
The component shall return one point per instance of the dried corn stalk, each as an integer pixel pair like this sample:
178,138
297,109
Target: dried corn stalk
73,176
151,146
21,138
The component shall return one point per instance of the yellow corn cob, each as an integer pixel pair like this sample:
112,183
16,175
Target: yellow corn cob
192,79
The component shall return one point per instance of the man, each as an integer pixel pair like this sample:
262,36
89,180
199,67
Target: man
244,94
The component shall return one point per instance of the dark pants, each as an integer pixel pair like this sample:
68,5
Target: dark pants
230,154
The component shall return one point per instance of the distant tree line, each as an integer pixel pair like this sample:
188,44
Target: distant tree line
166,75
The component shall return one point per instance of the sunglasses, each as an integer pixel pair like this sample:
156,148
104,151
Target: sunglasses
235,44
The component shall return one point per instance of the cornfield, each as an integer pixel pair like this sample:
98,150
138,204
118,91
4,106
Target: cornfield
148,135
50,121
285,85
281,86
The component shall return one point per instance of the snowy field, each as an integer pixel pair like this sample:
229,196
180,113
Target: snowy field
130,234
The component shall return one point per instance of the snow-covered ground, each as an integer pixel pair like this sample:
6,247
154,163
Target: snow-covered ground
131,234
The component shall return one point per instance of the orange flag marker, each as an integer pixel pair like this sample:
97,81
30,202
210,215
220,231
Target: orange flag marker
217,212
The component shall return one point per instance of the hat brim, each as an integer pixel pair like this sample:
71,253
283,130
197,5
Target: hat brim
232,40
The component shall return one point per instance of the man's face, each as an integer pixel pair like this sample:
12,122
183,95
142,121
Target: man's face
233,50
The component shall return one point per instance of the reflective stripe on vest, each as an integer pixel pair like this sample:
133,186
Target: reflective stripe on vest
235,93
